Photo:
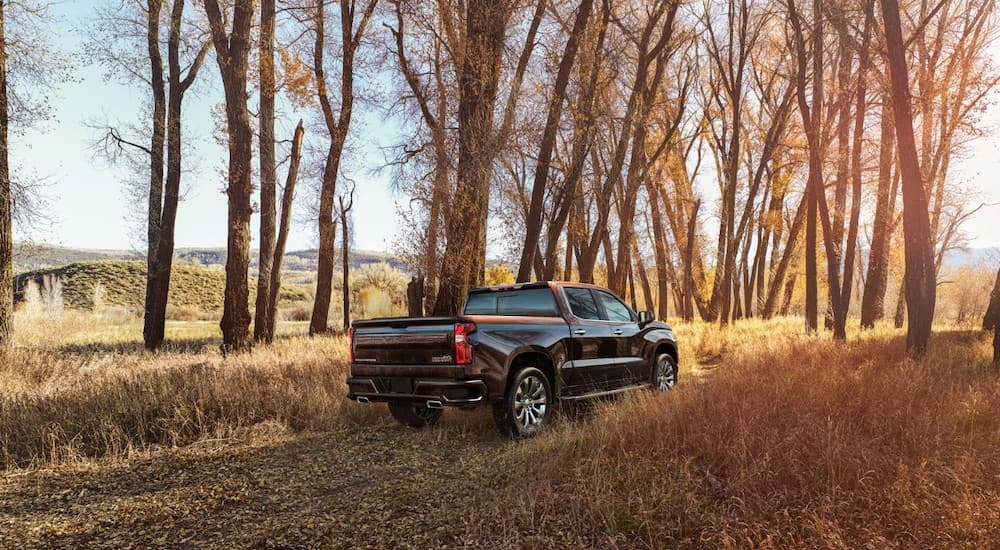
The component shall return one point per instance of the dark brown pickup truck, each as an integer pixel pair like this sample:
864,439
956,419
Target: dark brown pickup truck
517,348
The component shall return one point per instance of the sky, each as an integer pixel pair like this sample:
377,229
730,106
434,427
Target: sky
87,206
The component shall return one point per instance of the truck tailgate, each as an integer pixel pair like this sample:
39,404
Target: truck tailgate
405,341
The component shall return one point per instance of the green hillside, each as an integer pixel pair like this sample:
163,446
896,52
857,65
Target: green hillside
123,282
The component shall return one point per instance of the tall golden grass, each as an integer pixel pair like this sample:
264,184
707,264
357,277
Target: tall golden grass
792,441
772,439
82,388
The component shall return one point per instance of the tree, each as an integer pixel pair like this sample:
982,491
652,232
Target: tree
115,40
345,209
287,199
29,69
533,229
268,173
6,219
920,281
337,126
232,53
991,321
812,123
876,280
486,27
179,81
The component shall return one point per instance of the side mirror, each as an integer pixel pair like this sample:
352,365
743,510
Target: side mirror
646,317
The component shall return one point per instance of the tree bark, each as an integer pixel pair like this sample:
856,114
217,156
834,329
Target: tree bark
877,278
268,175
486,26
921,284
287,200
6,229
991,321
346,256
689,286
992,317
659,250
232,55
154,204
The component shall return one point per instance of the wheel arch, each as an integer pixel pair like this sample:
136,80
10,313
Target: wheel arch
533,357
668,347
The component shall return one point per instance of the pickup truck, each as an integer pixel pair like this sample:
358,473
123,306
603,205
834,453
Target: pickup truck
517,348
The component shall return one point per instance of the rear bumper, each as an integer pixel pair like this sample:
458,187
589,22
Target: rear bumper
447,392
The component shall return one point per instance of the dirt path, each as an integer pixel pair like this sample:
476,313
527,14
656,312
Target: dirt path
378,486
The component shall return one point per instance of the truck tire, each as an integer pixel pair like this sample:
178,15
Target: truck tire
664,373
413,415
526,405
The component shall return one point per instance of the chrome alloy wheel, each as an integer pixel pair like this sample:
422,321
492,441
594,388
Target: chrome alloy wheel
666,374
530,402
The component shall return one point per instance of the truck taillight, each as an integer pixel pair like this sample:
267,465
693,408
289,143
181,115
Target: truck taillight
463,349
350,345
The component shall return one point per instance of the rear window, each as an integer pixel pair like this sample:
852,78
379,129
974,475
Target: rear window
533,302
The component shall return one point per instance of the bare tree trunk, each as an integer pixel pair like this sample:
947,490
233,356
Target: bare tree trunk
876,281
992,317
859,128
533,223
991,321
345,251
6,230
659,251
337,126
486,26
287,199
156,154
921,284
647,290
689,286
232,54
268,175
996,348
812,121
158,290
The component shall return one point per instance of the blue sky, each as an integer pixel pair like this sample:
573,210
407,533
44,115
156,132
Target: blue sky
89,208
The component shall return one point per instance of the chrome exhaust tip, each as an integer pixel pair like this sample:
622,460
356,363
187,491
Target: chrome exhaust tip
362,399
434,404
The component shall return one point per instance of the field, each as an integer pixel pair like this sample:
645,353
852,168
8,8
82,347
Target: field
772,439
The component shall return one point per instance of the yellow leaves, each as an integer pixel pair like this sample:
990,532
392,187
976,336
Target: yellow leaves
298,78
499,275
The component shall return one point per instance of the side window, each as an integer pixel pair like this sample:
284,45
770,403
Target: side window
617,311
582,303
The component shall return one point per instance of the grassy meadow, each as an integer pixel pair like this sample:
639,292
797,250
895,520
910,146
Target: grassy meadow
772,439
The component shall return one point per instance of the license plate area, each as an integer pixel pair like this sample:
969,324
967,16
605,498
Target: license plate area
394,385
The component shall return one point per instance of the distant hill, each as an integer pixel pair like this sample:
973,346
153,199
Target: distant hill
123,282
33,257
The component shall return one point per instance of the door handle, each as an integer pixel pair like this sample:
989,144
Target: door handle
579,332
618,332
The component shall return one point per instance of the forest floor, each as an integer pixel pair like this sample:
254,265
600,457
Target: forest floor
772,439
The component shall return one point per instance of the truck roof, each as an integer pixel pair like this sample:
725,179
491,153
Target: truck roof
533,284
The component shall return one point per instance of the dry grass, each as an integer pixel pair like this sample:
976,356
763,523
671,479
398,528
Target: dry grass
86,389
772,439
796,442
